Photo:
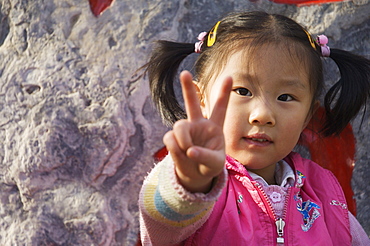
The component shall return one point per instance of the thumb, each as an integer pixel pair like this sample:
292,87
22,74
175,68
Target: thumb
211,161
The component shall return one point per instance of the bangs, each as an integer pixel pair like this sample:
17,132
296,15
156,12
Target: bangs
305,57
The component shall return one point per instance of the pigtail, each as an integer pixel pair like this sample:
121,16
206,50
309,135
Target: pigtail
346,97
162,69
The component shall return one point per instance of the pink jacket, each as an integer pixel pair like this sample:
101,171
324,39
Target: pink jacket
238,212
315,213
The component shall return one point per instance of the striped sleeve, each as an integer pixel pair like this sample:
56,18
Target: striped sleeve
359,236
168,213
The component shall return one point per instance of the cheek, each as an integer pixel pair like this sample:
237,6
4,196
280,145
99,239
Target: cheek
294,128
290,125
232,126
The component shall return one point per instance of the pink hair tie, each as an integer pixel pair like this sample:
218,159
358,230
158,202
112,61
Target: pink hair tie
322,40
198,45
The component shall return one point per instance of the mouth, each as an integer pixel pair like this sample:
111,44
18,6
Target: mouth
259,139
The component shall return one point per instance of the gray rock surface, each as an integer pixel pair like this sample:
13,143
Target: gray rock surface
77,127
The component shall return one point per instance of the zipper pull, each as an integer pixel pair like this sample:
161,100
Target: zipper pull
280,230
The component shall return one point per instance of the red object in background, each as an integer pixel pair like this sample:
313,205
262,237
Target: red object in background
98,6
160,154
304,2
335,153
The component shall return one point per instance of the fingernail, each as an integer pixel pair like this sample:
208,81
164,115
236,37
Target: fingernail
193,152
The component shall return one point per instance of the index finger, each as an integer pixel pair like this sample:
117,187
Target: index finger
191,99
219,110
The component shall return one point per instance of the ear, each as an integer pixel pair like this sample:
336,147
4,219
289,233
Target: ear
201,98
315,106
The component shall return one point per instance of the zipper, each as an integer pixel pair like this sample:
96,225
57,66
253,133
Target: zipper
279,222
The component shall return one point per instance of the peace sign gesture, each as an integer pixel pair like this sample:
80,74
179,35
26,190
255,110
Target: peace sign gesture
197,144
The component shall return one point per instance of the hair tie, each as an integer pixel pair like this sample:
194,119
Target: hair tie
198,45
322,40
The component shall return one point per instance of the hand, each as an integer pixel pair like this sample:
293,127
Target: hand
197,144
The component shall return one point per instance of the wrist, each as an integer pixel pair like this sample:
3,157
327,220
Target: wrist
202,185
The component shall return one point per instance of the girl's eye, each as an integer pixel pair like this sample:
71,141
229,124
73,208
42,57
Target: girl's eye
285,98
243,91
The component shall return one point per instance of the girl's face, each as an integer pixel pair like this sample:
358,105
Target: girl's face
269,106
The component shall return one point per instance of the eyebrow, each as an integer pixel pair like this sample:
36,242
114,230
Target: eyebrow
285,82
294,83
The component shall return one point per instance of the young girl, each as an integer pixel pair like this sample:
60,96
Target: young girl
231,177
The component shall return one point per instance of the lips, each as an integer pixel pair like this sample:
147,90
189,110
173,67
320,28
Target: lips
258,139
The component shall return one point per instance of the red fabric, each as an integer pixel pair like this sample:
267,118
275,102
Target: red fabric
160,154
334,153
304,2
98,6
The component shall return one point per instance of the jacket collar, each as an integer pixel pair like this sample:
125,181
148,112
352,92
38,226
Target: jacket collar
289,172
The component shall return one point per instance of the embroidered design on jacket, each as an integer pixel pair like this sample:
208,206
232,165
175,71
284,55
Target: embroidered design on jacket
300,178
338,203
310,213
240,197
239,200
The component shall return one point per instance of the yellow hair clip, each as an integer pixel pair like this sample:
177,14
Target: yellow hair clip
212,35
310,39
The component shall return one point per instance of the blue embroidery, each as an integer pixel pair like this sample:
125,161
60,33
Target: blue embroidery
297,197
300,178
308,209
310,213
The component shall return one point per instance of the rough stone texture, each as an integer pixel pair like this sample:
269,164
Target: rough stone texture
77,126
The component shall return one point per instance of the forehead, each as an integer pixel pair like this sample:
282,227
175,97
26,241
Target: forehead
266,61
276,58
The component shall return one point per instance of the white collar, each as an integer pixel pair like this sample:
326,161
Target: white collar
284,175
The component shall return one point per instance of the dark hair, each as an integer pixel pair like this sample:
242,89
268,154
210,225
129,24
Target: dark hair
253,29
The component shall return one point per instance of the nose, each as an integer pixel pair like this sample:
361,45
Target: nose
262,114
